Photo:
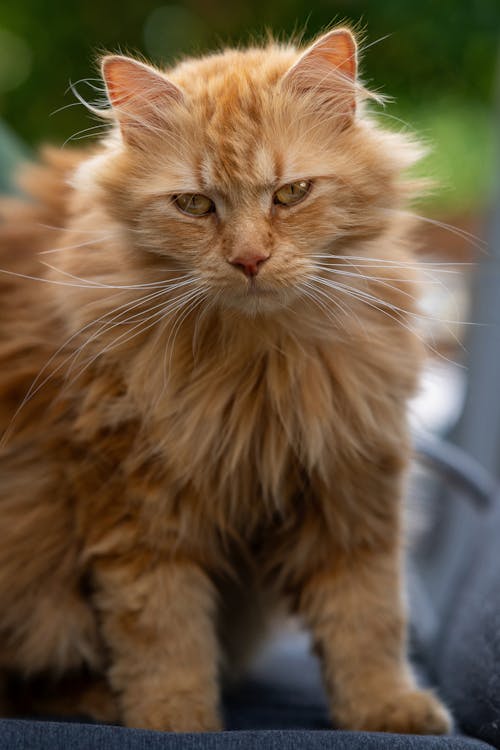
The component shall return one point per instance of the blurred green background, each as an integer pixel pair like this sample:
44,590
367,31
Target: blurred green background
437,58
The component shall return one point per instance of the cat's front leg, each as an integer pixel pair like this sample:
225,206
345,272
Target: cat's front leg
158,622
354,608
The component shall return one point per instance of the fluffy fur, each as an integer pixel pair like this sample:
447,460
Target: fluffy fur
184,447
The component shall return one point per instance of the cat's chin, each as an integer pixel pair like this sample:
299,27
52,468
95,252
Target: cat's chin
256,300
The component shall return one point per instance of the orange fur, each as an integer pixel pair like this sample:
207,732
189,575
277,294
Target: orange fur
229,442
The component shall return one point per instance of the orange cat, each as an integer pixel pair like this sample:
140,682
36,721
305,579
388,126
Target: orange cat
204,408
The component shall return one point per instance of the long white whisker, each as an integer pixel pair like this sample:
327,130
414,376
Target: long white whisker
368,279
115,321
102,237
36,385
475,241
191,304
52,281
378,302
94,283
73,230
357,274
315,291
381,280
377,306
110,324
129,335
392,263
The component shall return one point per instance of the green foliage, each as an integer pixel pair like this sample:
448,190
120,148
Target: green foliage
424,54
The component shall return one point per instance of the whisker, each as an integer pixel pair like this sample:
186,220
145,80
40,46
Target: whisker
106,327
213,298
369,279
51,281
94,283
36,385
129,335
115,321
427,273
356,274
393,263
314,291
197,297
85,243
475,241
75,230
377,305
377,301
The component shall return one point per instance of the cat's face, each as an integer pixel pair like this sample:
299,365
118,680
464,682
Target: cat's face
241,168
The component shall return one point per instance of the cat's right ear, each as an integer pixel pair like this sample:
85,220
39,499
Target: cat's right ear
328,70
141,96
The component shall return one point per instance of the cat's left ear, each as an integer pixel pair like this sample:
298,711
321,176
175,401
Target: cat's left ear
141,96
328,70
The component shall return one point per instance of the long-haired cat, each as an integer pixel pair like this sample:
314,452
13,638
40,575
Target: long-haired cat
203,388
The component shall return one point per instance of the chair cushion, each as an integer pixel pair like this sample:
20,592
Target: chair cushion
37,735
467,656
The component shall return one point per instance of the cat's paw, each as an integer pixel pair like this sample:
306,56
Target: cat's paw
195,719
412,712
174,716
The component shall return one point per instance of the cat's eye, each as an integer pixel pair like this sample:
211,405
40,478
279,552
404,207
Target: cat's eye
292,193
194,204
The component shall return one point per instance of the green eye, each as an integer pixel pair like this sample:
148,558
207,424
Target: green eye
292,193
194,204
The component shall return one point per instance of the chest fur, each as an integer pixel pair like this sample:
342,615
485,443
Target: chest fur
234,424
250,426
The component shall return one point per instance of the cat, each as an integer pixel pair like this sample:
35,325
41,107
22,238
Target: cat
203,405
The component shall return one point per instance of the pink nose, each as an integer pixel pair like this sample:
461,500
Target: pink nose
249,264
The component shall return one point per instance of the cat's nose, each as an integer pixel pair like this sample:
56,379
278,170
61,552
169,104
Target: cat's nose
249,264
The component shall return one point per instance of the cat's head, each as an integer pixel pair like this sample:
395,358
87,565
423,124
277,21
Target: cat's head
243,168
